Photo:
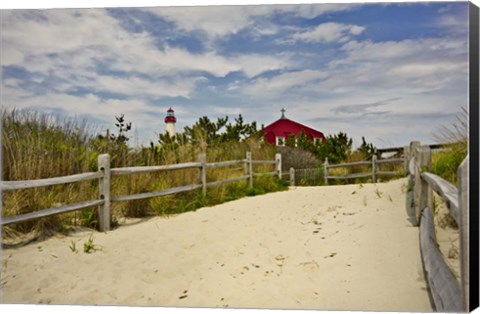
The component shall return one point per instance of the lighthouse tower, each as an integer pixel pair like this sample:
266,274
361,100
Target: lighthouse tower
170,121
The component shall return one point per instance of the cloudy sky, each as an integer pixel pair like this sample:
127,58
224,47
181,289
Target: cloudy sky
390,72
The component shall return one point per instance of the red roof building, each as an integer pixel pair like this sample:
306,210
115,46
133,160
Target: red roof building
279,131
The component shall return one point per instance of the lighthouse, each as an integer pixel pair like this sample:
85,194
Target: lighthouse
170,122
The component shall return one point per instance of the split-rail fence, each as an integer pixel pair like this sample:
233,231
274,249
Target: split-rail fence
104,174
448,293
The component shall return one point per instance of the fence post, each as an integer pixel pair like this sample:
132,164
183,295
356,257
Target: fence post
410,199
325,170
249,168
463,193
423,192
292,176
202,158
278,164
104,192
406,158
374,168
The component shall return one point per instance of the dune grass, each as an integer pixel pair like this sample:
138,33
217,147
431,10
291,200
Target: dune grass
38,145
445,163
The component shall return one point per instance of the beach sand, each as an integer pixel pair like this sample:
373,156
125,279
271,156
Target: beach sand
326,248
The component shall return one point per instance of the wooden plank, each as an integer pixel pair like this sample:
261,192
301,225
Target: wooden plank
224,163
16,185
411,166
250,169
217,183
351,176
270,162
132,170
393,160
446,190
387,173
410,200
49,212
278,165
464,226
273,173
398,149
325,171
104,192
444,288
202,158
292,176
423,192
157,193
356,163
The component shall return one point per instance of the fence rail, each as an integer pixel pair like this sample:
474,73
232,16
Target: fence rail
105,173
447,293
374,173
17,185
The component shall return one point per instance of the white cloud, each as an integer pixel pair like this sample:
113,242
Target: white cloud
327,32
278,85
214,21
403,67
220,21
138,87
72,45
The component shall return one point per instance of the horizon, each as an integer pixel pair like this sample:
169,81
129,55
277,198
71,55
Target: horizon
391,72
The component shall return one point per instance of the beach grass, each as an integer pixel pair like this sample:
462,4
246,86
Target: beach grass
37,145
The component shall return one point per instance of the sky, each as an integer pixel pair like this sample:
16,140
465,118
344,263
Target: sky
391,72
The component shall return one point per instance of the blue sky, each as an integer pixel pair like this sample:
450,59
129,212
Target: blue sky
392,72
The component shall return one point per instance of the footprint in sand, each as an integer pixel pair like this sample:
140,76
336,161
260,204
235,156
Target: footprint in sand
310,267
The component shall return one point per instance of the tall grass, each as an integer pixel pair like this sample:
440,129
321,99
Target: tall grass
37,145
445,163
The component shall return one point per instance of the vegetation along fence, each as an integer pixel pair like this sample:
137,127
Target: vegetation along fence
308,176
104,173
447,293
374,173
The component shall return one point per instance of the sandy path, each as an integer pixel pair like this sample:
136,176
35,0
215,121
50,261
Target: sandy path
337,247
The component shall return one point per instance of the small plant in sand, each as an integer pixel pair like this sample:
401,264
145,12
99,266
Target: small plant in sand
378,193
73,246
365,201
89,247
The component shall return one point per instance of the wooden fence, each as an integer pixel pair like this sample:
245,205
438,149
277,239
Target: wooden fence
104,173
307,176
447,293
374,173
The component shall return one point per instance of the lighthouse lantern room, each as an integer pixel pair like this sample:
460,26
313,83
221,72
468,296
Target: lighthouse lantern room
170,121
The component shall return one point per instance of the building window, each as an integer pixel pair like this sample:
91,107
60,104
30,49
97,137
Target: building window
317,140
280,141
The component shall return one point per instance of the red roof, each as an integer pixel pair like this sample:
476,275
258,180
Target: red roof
284,127
170,110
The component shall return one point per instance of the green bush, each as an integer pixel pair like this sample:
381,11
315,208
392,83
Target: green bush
445,163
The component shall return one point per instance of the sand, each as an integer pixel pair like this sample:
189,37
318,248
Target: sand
326,248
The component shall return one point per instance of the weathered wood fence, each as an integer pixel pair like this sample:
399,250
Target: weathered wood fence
104,174
307,176
374,173
447,293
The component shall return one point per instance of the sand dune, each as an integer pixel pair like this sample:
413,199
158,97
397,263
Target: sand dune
326,248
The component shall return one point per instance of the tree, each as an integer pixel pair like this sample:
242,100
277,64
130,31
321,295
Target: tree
239,131
205,130
367,149
123,128
335,147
